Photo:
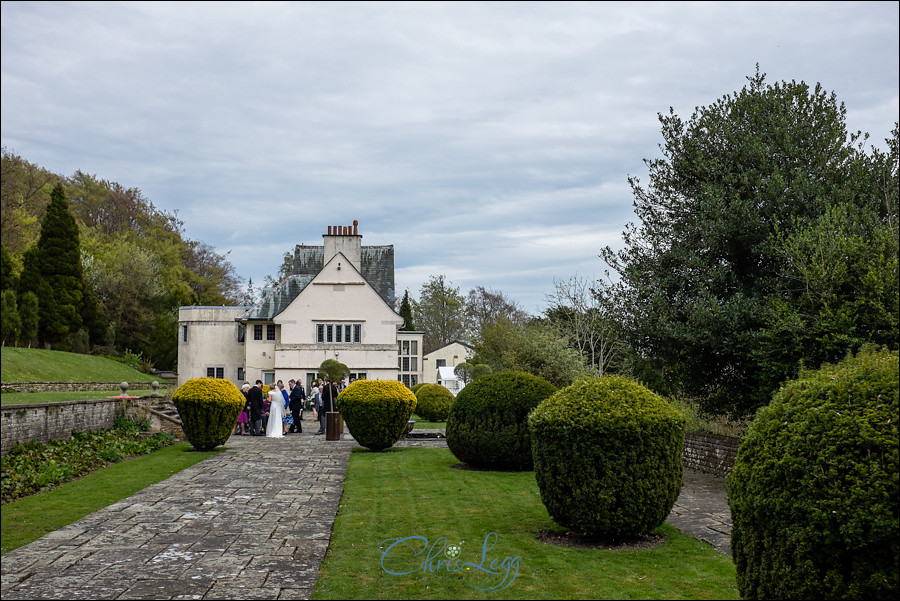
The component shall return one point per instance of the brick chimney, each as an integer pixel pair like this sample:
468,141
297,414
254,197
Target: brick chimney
344,239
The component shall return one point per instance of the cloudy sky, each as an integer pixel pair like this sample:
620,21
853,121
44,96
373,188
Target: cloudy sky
488,142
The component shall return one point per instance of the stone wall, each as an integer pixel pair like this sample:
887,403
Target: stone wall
43,422
69,386
710,453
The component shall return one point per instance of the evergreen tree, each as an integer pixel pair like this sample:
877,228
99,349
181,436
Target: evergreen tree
9,281
28,315
406,313
9,317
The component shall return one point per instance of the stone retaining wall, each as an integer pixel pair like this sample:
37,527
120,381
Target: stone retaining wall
43,422
710,453
68,386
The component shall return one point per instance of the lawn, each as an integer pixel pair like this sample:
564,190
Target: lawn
422,424
414,505
40,365
18,398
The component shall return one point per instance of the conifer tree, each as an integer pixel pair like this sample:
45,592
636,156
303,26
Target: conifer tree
406,313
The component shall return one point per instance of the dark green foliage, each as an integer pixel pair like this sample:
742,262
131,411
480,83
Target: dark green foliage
434,402
9,314
417,387
208,409
332,370
376,411
8,280
406,313
33,467
708,281
814,495
28,314
487,426
607,456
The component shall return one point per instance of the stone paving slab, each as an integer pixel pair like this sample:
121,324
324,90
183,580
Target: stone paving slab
252,522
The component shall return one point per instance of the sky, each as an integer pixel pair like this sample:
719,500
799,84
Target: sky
488,142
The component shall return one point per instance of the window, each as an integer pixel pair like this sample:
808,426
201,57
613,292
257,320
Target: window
268,377
440,363
215,372
257,332
240,374
183,333
339,333
241,333
270,332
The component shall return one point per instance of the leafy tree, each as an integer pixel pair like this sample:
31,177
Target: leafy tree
333,370
9,318
406,313
9,280
463,371
699,273
440,312
23,198
480,370
487,307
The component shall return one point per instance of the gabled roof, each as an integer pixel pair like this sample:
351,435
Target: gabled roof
376,266
452,342
278,298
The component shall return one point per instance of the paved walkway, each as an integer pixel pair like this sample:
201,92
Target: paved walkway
252,522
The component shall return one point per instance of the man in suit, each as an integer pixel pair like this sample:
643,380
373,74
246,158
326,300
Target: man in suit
255,396
329,396
297,396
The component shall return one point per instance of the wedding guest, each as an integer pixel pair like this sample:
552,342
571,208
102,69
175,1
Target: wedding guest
275,427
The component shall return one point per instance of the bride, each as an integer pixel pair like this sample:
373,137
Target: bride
274,428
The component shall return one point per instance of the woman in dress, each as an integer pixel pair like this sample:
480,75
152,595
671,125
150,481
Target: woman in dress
243,418
288,420
274,428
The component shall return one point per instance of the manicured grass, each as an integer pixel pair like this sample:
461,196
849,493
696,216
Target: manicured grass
422,424
40,365
407,492
30,518
19,398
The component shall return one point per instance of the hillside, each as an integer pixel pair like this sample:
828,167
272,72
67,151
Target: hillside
39,365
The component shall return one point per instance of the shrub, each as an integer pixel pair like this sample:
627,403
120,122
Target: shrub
209,409
814,491
607,456
434,402
487,426
416,388
376,411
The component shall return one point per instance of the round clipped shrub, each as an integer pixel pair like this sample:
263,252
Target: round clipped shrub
416,388
209,409
607,456
376,411
434,402
814,491
487,426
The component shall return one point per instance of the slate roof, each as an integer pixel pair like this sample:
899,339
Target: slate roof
377,269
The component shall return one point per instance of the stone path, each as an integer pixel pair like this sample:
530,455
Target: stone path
253,522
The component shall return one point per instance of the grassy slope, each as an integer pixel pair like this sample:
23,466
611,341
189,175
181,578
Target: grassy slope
39,365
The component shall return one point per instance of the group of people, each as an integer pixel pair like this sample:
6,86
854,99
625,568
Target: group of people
282,412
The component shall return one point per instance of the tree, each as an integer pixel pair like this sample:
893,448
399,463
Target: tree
487,307
406,313
28,314
440,312
333,370
11,323
699,273
585,314
9,280
463,371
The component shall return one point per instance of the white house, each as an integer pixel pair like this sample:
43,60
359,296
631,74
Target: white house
448,356
338,303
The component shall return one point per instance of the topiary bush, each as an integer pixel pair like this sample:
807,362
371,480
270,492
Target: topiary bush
209,409
434,402
487,425
607,456
814,491
416,388
376,411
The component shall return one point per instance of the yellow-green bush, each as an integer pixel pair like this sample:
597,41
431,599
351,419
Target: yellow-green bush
376,411
434,402
209,409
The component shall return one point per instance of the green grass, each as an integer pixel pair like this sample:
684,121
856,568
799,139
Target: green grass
19,398
30,518
405,492
40,365
422,424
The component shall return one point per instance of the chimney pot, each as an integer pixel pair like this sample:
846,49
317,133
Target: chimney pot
329,230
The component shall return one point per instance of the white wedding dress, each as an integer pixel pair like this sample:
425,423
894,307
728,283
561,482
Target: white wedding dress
274,429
